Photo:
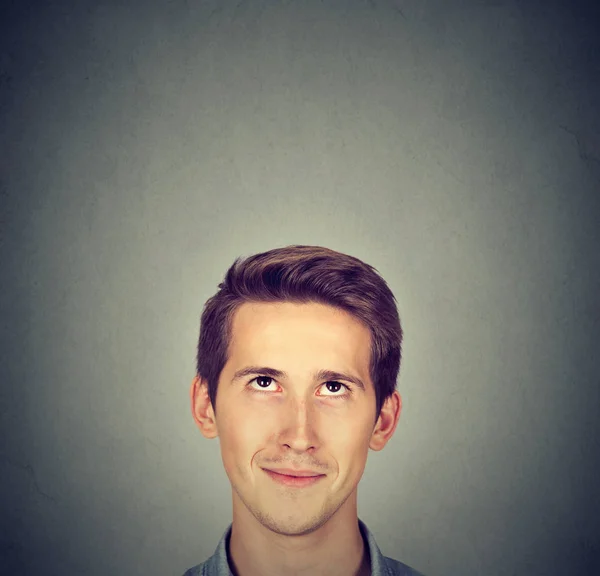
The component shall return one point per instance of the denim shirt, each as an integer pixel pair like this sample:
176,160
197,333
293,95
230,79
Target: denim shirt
217,564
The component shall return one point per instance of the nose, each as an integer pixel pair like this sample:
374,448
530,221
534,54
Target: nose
298,427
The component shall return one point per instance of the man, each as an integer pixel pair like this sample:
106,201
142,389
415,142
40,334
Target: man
298,356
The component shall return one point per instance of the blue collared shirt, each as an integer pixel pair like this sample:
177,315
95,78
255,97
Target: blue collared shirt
217,564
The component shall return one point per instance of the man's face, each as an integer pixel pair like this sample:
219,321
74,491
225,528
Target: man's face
296,419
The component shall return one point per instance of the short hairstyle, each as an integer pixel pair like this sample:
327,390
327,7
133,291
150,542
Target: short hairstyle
304,274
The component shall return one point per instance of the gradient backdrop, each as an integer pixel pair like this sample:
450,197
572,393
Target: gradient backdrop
453,145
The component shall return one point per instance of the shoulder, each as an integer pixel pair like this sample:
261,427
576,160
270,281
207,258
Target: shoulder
195,570
396,568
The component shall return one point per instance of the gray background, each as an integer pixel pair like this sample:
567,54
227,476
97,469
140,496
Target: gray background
452,145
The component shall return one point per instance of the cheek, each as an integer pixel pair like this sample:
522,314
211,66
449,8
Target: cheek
350,444
241,436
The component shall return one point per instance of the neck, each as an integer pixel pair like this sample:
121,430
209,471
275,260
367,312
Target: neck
336,548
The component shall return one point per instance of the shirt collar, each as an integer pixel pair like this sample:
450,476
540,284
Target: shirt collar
217,564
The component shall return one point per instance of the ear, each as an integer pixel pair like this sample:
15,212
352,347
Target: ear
202,409
387,422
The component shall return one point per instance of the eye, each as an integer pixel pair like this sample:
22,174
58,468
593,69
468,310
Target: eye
337,387
264,382
260,380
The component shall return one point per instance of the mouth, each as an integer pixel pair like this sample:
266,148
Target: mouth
293,481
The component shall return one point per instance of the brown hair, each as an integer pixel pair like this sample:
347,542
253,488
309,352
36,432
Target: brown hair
304,274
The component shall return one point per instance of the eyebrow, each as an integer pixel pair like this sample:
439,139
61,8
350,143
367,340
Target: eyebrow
279,374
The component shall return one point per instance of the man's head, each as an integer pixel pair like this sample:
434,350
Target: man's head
304,274
298,357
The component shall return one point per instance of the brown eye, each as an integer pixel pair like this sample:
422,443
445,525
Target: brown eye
264,381
336,385
333,393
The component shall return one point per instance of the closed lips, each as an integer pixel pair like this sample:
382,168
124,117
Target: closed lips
296,473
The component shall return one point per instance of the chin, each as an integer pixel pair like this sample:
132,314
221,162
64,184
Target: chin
296,524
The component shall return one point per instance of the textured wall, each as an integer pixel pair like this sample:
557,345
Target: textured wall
453,145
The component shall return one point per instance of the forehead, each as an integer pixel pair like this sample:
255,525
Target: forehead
279,328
